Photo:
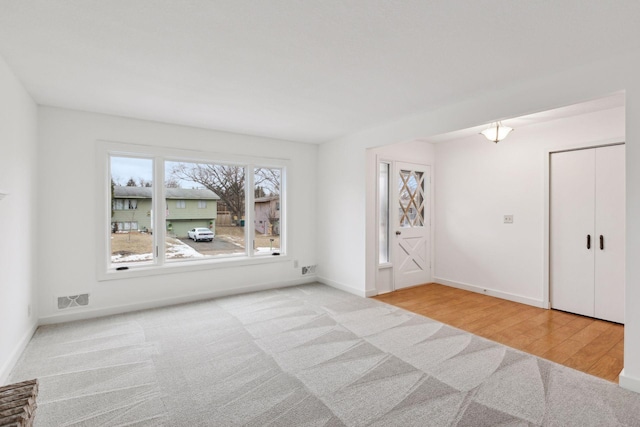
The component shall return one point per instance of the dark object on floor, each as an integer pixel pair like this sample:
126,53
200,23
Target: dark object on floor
18,404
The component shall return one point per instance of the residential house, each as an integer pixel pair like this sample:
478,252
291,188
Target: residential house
332,90
186,208
267,215
131,209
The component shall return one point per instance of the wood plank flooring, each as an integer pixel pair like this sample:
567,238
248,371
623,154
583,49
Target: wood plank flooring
589,345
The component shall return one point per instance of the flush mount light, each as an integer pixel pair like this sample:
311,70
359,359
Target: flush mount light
496,132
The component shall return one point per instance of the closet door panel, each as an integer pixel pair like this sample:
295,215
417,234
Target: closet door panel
610,224
572,220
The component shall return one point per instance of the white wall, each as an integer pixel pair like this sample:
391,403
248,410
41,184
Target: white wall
478,182
67,244
341,217
18,143
342,171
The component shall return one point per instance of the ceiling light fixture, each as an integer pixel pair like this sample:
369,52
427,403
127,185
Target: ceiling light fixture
496,132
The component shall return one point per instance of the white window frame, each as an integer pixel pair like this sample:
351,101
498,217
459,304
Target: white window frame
181,204
108,271
202,204
383,204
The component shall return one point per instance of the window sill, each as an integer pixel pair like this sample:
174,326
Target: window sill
189,266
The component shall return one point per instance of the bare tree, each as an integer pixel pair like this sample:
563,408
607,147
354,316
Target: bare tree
131,182
171,182
133,217
144,183
224,180
268,180
227,181
274,221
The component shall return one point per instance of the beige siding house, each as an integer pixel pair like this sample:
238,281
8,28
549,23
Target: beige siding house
185,208
267,215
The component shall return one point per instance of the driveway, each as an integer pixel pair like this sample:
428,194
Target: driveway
218,246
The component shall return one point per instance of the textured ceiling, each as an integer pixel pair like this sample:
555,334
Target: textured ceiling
307,71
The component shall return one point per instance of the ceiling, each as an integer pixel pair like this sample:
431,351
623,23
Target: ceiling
308,71
615,100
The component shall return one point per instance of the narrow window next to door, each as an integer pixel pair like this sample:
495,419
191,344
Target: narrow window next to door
383,197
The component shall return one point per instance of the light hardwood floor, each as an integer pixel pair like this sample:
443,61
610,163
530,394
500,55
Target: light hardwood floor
589,345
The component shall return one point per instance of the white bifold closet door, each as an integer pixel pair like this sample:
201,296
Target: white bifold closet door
587,232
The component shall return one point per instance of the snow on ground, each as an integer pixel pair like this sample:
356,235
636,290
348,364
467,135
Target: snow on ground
175,249
266,250
181,250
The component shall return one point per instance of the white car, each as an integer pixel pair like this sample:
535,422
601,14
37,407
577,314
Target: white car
198,234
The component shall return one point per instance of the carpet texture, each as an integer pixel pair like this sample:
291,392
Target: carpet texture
302,356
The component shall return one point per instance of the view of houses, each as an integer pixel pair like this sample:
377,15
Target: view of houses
186,208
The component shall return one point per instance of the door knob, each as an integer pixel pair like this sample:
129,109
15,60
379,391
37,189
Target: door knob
398,233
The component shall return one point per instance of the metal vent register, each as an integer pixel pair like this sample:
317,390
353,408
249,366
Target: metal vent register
72,301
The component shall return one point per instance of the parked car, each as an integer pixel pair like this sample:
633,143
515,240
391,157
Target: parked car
198,234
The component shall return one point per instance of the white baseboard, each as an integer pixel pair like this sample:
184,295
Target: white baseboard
8,366
347,288
491,292
629,383
82,314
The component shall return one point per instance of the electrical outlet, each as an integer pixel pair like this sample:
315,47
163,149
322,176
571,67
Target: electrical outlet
508,219
295,263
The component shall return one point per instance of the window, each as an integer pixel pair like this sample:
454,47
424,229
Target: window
125,204
383,213
266,207
131,241
216,181
158,226
125,226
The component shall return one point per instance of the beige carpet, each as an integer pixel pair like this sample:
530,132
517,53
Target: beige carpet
301,356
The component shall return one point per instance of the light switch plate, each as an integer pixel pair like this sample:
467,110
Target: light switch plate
508,219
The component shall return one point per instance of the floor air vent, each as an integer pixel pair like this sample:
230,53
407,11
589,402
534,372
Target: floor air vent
308,270
73,301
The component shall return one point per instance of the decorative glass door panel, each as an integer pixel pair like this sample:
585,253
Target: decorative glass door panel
411,198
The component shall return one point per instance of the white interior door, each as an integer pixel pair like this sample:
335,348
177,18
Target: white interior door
610,233
411,225
572,225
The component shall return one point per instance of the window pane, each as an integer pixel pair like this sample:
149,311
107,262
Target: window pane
411,198
131,219
383,231
196,189
266,219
